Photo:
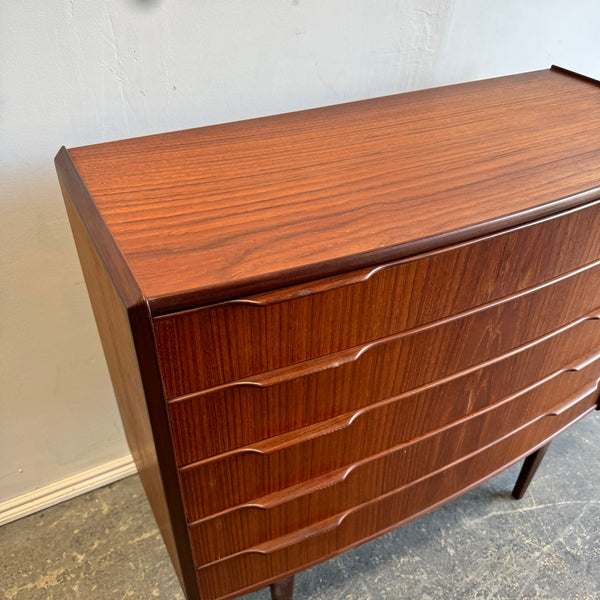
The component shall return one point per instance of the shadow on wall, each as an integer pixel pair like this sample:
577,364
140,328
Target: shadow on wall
146,3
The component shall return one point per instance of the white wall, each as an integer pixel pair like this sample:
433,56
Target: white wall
82,71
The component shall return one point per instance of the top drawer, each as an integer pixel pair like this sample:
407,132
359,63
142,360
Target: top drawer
211,345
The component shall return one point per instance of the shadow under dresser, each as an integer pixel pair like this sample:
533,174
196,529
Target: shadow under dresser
323,324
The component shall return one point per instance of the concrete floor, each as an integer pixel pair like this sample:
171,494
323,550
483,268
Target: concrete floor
484,545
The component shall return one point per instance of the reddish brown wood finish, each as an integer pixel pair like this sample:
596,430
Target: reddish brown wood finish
326,316
453,345
247,570
125,330
425,280
298,507
348,392
223,211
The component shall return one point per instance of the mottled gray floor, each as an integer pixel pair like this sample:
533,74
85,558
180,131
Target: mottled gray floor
484,545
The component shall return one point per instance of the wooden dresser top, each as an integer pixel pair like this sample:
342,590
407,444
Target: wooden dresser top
211,213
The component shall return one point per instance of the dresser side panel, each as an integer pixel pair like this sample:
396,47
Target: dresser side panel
118,325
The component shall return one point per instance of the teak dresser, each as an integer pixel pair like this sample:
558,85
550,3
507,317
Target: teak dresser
323,324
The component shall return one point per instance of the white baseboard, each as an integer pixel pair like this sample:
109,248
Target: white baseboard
65,489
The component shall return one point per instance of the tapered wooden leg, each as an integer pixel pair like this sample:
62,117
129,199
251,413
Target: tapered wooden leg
283,589
530,466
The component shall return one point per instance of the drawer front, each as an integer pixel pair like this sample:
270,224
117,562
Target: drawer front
224,419
240,475
301,506
279,557
212,345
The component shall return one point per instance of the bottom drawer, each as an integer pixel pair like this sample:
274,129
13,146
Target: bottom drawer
275,559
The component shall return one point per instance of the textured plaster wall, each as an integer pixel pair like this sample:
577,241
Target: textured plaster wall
82,71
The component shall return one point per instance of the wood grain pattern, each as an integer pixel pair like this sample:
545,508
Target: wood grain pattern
124,326
378,472
321,325
213,422
277,558
275,329
224,211
456,344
